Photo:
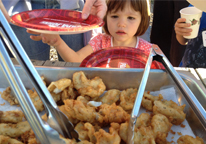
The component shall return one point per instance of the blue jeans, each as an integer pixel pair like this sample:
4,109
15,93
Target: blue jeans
34,49
38,50
45,4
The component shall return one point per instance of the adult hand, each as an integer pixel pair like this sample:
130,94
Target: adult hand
95,7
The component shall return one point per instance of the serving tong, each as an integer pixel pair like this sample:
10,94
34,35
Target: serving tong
157,54
57,123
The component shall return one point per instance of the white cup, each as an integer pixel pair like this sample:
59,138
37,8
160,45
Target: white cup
192,16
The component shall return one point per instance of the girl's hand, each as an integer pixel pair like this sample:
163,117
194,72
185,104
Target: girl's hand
182,29
37,36
50,39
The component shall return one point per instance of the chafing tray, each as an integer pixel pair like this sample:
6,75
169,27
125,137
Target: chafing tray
127,78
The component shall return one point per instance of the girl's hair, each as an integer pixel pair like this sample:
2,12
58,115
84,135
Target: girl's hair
137,5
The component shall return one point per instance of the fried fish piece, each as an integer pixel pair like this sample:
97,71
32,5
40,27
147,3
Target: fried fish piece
8,140
113,113
32,138
143,120
174,105
29,137
161,126
186,139
144,135
110,97
32,94
55,96
148,100
123,131
6,95
81,111
83,142
108,138
14,116
160,123
93,88
73,141
14,130
69,93
86,131
83,133
82,99
68,114
175,116
91,130
59,85
127,98
36,100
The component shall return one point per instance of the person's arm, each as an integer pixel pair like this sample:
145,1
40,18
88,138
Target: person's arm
63,49
4,11
181,29
70,55
95,7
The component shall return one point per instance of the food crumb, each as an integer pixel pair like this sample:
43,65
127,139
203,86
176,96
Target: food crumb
172,132
183,126
179,133
2,104
172,137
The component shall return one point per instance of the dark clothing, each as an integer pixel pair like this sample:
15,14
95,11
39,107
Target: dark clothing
195,54
166,13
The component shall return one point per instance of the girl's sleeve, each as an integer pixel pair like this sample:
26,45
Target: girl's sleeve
96,42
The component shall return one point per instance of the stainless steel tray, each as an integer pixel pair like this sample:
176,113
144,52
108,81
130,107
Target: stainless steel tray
127,78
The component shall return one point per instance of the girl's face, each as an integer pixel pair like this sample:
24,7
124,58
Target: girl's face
123,25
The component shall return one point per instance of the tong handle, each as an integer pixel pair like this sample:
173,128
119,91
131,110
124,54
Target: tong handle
17,50
189,96
44,133
139,97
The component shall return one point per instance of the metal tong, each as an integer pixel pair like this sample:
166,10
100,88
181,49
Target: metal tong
58,122
157,54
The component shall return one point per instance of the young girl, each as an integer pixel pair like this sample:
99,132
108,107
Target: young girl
125,20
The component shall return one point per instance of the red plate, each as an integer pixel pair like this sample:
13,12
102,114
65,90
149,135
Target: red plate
118,57
56,21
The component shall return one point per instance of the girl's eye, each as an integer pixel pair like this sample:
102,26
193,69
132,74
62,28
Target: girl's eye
114,16
131,18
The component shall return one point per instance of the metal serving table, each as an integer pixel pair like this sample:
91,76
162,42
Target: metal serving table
199,74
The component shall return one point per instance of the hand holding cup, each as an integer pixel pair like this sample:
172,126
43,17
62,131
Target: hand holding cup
192,16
